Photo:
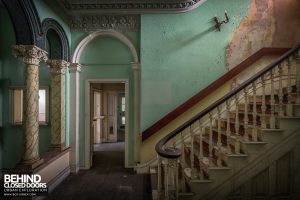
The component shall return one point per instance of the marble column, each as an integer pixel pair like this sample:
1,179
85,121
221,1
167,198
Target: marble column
58,133
31,56
137,85
75,69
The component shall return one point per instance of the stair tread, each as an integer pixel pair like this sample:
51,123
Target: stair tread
219,168
289,117
272,129
237,155
186,193
252,142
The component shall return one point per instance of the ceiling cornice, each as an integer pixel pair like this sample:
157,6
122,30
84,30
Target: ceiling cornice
75,7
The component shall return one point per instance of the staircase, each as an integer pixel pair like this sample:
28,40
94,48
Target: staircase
248,131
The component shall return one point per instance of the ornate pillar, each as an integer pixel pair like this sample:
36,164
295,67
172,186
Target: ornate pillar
137,85
32,56
58,134
75,69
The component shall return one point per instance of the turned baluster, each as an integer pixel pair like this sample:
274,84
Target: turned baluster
289,89
182,162
272,101
280,92
246,120
210,139
171,182
297,56
228,125
166,177
237,126
200,157
237,123
193,171
219,142
159,175
254,113
263,103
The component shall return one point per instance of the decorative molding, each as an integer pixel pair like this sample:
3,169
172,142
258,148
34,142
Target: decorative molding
131,6
74,67
89,23
26,22
210,89
32,55
111,33
136,66
63,44
57,66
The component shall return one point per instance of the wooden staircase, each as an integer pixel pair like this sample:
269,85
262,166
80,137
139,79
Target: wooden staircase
244,133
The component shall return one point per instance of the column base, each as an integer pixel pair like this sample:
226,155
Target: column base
57,147
29,166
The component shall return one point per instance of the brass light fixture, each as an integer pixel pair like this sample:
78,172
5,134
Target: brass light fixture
219,23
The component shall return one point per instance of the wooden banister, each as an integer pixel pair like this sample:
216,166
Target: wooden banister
210,89
177,152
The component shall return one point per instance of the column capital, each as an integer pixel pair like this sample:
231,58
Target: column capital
136,66
74,67
57,66
31,54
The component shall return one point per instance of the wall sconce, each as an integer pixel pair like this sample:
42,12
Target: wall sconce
219,23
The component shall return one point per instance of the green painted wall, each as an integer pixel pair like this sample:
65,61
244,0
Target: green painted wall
182,53
13,75
105,58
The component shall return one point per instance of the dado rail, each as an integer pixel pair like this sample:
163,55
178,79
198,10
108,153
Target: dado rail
205,152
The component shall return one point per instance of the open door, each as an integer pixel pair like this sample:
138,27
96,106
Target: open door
97,117
110,103
121,110
96,120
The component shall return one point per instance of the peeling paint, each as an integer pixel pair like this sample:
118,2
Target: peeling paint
254,32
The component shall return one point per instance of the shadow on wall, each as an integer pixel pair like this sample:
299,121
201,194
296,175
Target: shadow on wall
184,42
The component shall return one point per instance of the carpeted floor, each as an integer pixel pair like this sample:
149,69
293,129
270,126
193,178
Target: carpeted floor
107,180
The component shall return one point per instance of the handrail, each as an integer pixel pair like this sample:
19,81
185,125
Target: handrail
177,153
266,51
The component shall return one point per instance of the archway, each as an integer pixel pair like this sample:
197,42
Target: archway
74,80
110,33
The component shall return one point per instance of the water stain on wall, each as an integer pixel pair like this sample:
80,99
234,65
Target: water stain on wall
269,23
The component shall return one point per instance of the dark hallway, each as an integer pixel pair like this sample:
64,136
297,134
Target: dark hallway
107,179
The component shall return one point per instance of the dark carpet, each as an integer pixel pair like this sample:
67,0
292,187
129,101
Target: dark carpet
107,179
121,135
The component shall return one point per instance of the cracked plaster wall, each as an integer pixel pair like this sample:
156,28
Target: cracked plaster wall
269,23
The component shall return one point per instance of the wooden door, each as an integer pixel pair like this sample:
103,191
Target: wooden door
110,103
97,117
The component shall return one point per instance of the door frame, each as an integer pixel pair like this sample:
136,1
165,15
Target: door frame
88,83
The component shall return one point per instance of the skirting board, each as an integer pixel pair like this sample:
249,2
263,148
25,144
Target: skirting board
56,181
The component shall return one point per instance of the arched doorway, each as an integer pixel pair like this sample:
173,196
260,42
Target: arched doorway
98,72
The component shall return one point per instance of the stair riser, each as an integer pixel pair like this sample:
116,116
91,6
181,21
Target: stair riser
235,163
219,175
272,137
289,124
253,149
